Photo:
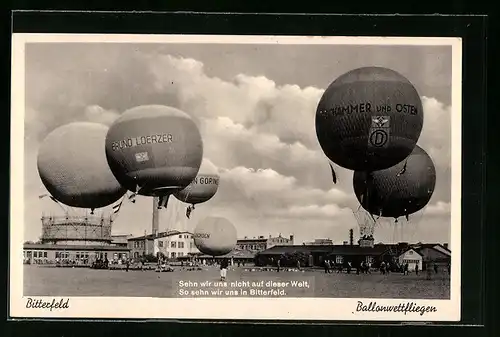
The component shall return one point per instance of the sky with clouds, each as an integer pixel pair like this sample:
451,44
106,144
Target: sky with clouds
255,106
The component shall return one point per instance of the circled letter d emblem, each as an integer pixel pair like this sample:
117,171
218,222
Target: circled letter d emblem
378,138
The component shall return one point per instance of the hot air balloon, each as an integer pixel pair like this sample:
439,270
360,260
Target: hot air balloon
215,236
369,119
154,150
73,168
401,190
202,188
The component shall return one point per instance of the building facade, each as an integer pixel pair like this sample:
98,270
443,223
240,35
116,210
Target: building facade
141,245
171,244
255,245
433,253
175,245
413,258
39,253
120,240
393,254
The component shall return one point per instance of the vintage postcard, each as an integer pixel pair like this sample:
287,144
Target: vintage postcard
235,177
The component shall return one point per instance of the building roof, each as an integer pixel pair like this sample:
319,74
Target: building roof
44,246
158,236
410,248
330,249
253,240
430,245
296,248
242,254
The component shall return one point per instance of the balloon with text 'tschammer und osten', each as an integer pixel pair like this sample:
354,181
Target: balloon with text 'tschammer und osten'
215,236
203,187
72,166
154,149
369,119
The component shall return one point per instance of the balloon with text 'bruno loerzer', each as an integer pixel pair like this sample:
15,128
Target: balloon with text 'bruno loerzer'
154,150
369,119
73,168
401,190
203,187
215,236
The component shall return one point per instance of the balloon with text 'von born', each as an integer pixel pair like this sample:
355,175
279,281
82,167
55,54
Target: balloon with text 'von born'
154,150
203,187
369,119
401,190
215,236
73,167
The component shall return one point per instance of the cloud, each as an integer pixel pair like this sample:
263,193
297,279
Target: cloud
313,211
436,135
95,113
267,188
260,136
440,208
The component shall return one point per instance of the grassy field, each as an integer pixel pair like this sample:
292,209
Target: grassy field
45,281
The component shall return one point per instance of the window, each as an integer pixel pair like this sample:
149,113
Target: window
44,254
180,236
173,244
180,254
191,245
35,254
160,243
410,252
172,255
181,244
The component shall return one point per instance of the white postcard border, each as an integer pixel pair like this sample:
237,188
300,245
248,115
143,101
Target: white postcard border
224,308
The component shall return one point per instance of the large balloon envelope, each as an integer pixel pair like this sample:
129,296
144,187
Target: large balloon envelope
72,165
401,190
155,150
203,187
215,236
369,119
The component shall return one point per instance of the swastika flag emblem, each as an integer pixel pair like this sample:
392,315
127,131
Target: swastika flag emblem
141,157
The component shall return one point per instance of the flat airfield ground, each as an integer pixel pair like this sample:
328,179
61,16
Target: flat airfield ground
51,281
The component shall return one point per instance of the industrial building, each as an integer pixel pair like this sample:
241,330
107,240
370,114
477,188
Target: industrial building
75,240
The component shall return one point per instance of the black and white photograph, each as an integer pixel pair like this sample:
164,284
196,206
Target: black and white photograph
235,177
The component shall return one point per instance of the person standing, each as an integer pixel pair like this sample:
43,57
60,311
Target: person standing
278,263
223,269
428,270
416,269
